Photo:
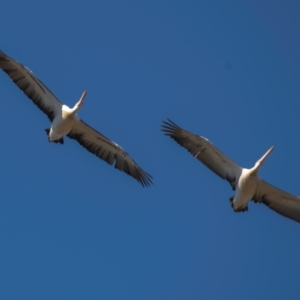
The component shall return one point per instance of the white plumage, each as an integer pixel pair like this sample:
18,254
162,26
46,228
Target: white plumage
65,121
246,182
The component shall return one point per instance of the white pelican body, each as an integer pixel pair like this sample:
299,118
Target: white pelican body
245,189
246,182
62,123
65,121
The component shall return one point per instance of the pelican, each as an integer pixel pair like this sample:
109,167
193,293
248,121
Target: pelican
65,121
245,182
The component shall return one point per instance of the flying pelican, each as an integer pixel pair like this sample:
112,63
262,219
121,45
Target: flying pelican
246,182
65,121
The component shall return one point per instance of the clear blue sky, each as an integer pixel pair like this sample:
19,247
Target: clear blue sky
72,227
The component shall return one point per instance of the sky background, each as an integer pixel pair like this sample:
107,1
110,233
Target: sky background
73,227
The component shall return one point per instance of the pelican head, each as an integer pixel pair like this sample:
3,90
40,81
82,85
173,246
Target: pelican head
260,162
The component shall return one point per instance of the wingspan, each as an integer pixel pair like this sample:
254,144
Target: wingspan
205,151
109,151
280,201
31,86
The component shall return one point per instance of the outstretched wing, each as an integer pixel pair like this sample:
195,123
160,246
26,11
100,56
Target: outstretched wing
278,200
31,86
109,151
205,151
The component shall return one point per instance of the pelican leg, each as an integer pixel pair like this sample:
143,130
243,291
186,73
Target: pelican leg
48,131
241,209
60,141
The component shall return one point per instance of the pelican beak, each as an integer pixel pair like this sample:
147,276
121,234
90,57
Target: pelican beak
80,102
261,161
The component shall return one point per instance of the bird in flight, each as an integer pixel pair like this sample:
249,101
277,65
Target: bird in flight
245,182
65,121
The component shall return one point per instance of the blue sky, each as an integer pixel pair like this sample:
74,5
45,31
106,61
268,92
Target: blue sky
72,227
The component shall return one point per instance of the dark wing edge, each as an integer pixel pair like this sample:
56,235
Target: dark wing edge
278,200
18,73
108,151
204,151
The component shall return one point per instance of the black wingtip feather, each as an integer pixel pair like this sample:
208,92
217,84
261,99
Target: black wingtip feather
169,127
